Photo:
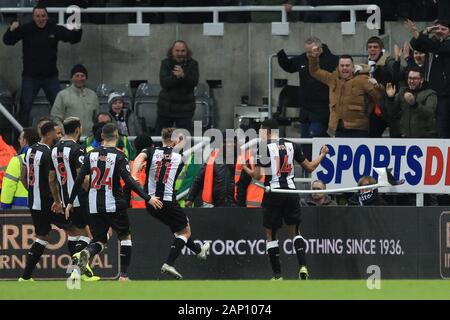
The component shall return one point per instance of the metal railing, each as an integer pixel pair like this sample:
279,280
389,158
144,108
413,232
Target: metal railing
139,11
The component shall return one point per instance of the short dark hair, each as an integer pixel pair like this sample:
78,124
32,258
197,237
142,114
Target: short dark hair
47,128
270,124
40,7
109,130
376,40
142,142
366,179
71,124
102,114
31,135
346,56
416,69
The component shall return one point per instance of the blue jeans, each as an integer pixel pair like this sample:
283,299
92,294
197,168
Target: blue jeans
30,89
312,130
443,117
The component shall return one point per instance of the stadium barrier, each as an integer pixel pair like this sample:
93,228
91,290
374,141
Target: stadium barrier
343,242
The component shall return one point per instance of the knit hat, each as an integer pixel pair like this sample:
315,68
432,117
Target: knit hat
113,97
79,68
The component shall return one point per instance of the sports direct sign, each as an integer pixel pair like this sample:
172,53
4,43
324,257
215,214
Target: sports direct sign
423,163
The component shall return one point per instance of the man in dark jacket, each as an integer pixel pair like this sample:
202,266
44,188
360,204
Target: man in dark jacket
313,95
413,108
40,50
178,77
438,45
216,179
318,199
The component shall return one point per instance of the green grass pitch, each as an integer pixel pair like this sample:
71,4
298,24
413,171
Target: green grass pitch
229,290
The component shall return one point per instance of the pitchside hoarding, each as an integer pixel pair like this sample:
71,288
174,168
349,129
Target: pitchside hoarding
405,242
423,163
17,237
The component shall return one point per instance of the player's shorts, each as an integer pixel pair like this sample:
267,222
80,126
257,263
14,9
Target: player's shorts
43,220
80,217
171,215
278,207
99,224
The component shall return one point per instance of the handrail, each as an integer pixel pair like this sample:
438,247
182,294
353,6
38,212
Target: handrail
214,10
10,118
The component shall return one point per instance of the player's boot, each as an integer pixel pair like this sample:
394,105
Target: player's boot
25,280
81,259
123,277
88,275
303,273
277,278
204,253
166,269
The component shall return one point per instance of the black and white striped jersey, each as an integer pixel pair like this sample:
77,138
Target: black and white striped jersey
105,166
67,157
39,163
277,163
163,168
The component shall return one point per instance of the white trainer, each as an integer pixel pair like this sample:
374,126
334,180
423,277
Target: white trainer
204,252
166,269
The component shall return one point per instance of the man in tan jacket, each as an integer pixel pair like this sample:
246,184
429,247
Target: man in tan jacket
349,96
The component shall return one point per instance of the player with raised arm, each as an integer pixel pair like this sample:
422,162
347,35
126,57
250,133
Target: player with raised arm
276,162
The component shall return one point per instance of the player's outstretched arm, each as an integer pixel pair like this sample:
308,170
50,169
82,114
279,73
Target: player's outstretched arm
138,163
255,174
310,166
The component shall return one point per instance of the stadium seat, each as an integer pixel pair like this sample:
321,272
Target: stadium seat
104,89
41,108
204,105
6,99
146,104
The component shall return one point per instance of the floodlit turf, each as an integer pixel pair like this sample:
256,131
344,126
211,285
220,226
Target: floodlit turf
224,290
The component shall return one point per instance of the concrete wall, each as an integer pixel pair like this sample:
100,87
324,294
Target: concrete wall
239,59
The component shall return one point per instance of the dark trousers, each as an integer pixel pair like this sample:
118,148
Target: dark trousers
443,117
312,130
350,133
30,89
167,122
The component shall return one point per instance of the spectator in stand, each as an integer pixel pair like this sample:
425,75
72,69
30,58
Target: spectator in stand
95,140
318,199
348,91
380,66
77,100
126,120
178,77
413,108
436,40
216,179
14,194
367,197
40,47
313,95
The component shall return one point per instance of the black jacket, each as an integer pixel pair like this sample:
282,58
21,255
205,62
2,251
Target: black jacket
440,63
223,185
40,47
176,99
313,95
377,200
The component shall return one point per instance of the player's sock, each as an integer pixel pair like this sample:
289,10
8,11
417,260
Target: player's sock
33,257
194,247
82,243
300,248
175,249
274,255
94,247
125,256
71,244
